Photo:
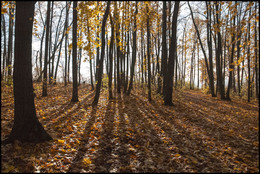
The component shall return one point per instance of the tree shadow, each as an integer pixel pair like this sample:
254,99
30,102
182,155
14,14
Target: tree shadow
103,155
64,110
181,137
147,153
84,141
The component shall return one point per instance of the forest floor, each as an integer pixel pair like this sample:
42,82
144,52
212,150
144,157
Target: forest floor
128,134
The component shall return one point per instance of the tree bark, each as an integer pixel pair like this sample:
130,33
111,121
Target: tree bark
74,55
231,66
4,52
168,78
134,52
111,46
44,84
248,59
10,42
117,50
27,127
148,54
164,47
100,70
256,59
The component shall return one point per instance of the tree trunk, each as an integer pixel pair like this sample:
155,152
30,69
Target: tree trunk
79,60
66,42
27,127
173,54
50,45
74,54
238,51
256,59
4,52
148,55
209,70
100,70
57,66
90,59
97,40
248,59
231,66
111,46
118,49
44,84
10,42
134,52
164,47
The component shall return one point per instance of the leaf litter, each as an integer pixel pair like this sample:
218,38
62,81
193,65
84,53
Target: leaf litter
129,134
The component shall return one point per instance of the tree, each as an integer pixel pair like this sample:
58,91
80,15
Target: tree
100,70
248,59
41,47
10,41
27,127
256,59
44,84
66,42
134,53
148,54
168,77
111,59
218,59
74,55
164,47
4,52
231,66
117,48
209,69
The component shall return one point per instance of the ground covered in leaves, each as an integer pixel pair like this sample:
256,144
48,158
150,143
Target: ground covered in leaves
129,134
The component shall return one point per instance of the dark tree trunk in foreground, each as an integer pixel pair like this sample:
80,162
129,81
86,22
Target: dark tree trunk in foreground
27,127
100,70
74,55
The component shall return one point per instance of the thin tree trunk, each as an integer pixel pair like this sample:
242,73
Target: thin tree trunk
4,52
44,84
148,55
248,59
10,42
231,66
209,70
100,70
66,42
118,49
50,44
111,46
256,58
134,52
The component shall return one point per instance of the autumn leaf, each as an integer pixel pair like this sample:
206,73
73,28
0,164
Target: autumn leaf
86,161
